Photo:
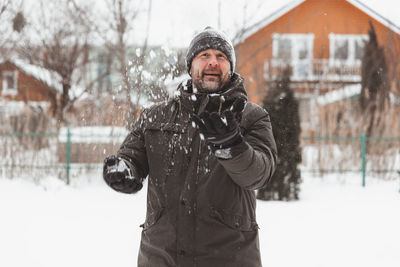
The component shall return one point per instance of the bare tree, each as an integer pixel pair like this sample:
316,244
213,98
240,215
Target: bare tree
4,19
3,6
141,70
59,41
149,68
115,26
12,23
124,13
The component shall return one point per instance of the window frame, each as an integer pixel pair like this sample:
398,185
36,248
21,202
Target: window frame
293,38
351,52
5,89
294,60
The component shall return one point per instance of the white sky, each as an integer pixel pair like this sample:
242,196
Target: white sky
174,22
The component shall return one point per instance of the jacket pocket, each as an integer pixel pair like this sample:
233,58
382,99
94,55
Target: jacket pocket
163,141
234,221
152,218
163,136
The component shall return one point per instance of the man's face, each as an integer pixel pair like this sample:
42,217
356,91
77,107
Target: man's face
210,70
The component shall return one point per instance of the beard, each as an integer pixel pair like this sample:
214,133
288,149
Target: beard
209,84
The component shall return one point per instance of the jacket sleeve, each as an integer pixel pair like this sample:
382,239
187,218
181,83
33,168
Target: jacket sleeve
133,149
253,168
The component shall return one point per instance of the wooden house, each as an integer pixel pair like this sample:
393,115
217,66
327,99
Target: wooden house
323,44
22,83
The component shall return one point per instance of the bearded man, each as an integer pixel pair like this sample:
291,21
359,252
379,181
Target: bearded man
204,152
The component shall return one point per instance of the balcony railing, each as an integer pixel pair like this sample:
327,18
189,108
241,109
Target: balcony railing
314,70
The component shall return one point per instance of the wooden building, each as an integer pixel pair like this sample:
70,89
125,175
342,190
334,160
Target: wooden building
23,83
323,44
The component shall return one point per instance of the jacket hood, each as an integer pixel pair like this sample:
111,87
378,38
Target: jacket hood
215,101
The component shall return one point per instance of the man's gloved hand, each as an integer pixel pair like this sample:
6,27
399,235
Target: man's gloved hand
119,177
222,133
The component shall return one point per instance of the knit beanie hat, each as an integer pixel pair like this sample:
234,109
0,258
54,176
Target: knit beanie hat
210,38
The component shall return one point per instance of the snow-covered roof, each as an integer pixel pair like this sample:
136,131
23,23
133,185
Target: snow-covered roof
369,11
346,92
288,7
50,78
270,18
94,134
9,107
339,94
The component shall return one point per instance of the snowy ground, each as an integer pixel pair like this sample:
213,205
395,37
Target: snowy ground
336,223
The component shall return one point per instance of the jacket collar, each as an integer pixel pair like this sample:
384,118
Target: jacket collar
198,102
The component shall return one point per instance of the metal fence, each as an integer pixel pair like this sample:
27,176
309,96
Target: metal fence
60,154
40,154
372,156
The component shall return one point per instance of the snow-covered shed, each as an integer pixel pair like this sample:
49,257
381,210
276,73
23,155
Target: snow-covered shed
23,83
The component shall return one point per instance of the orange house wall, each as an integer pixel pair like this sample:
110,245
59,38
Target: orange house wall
312,16
29,88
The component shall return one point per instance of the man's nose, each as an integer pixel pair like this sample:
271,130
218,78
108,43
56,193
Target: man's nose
213,62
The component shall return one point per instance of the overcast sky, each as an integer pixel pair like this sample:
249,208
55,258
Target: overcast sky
175,21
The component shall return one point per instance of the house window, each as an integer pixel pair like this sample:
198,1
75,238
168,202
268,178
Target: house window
347,49
284,48
103,67
295,50
10,82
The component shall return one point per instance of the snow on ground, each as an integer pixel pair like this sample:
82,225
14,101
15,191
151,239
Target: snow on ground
336,223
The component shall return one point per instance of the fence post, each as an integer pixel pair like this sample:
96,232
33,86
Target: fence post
363,156
68,151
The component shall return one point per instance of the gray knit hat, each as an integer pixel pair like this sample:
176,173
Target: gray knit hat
210,38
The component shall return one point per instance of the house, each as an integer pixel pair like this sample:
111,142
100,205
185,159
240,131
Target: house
322,42
22,83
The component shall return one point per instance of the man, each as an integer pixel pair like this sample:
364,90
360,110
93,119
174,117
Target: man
204,153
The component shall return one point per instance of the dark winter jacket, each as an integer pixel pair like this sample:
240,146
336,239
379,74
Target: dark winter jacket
201,211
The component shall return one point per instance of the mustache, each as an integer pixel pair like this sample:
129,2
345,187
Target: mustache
211,72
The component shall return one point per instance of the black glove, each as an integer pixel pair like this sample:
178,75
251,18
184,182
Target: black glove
222,133
118,176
